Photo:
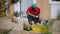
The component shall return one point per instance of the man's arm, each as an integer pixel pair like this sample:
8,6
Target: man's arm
31,14
39,12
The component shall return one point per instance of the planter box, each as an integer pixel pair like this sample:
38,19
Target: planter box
37,28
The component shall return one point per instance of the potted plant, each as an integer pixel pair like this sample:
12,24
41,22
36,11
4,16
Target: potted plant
16,14
58,17
14,1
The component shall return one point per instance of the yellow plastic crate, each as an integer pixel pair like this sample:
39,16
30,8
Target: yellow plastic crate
37,28
45,28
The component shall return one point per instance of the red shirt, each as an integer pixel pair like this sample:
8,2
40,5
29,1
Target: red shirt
35,11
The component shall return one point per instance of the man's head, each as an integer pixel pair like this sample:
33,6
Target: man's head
34,5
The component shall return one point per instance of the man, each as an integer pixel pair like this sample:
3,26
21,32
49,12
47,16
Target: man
33,14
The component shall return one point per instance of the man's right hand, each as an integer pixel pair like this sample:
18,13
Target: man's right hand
36,16
33,15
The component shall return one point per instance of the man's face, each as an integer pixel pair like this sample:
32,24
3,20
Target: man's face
34,5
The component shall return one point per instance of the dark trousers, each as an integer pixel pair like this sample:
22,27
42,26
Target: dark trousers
31,18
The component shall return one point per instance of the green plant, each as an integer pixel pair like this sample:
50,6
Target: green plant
16,14
47,33
30,27
24,26
14,1
58,17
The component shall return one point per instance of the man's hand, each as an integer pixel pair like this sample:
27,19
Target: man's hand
33,15
37,16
